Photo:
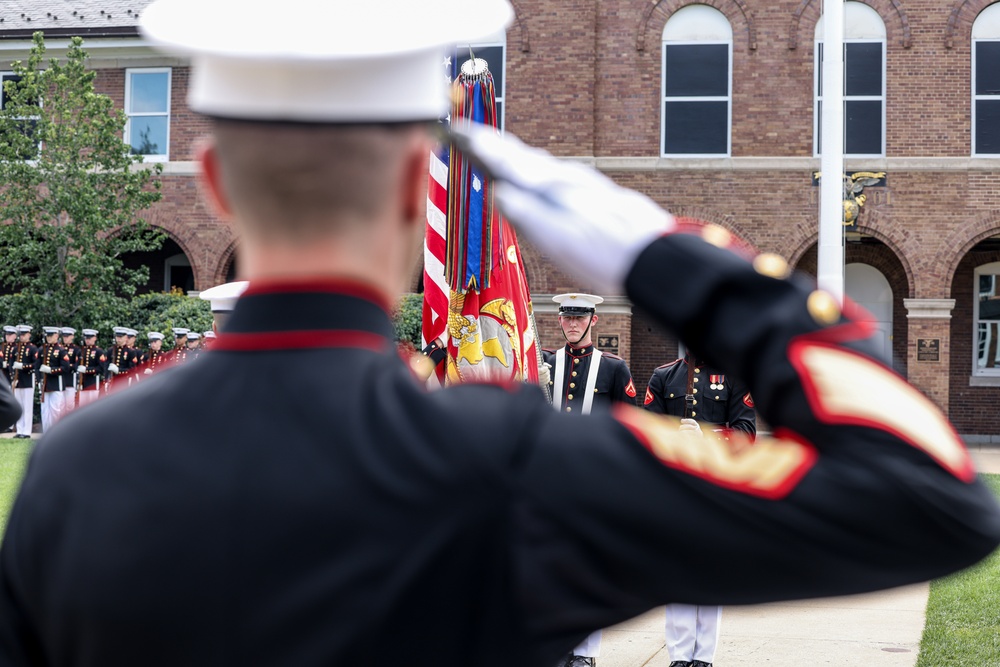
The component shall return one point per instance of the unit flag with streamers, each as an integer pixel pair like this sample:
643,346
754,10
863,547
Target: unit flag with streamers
476,297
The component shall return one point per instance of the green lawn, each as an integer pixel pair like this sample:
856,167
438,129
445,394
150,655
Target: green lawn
963,615
13,456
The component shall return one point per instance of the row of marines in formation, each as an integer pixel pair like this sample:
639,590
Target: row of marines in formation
67,375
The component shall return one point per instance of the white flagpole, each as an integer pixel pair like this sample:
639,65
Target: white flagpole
830,255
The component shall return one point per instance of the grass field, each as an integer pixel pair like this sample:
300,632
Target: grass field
963,615
13,456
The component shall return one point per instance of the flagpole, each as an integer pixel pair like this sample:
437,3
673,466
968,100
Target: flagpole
830,255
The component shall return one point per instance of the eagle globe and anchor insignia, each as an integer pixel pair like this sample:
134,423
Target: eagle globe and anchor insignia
854,185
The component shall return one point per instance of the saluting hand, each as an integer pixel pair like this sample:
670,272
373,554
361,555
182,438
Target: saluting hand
589,224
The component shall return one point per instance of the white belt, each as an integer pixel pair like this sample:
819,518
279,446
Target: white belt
558,381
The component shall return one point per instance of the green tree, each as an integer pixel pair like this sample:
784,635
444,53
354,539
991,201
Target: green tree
71,192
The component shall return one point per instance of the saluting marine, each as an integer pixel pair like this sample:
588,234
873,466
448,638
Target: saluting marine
91,369
474,516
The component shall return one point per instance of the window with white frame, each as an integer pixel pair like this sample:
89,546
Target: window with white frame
864,82
986,318
493,50
697,83
986,83
25,125
147,107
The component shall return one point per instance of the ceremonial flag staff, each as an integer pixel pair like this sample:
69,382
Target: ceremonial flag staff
476,296
830,256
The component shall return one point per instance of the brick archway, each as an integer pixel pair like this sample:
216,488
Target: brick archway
656,14
809,11
963,13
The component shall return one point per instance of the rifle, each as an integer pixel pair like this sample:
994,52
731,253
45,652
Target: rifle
44,378
82,361
689,391
17,372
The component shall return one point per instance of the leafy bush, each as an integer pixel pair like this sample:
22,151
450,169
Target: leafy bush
407,319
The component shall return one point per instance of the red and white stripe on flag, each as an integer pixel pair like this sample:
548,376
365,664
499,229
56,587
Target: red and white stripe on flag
435,311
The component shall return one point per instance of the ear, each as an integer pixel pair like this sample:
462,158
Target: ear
415,181
212,180
593,321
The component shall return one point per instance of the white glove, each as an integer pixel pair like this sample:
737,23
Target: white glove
113,368
81,369
18,365
4,364
544,374
690,426
591,226
148,371
45,369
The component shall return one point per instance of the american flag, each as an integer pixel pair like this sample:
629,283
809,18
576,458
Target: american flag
475,288
435,310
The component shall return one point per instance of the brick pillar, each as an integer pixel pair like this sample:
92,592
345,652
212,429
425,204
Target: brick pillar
928,349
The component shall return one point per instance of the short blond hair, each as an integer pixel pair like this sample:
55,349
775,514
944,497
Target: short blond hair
302,180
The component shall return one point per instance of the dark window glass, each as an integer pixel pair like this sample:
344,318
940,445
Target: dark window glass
6,98
697,70
819,70
863,131
988,126
987,68
696,127
863,69
819,127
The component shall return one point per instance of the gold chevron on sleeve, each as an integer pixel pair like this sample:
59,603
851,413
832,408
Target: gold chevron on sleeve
770,467
844,387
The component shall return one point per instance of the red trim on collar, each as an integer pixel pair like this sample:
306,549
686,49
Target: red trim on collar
300,340
322,285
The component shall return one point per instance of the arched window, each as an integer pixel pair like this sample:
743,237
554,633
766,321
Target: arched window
493,50
864,82
986,316
697,83
986,82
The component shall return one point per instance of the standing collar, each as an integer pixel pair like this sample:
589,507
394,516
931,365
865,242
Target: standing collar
579,351
296,314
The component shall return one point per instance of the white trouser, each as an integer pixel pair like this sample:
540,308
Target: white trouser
69,398
692,632
88,396
52,409
591,646
26,397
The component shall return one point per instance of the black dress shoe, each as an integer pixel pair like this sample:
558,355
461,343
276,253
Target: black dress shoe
581,661
700,663
680,663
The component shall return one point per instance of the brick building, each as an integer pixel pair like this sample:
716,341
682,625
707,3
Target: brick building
711,108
